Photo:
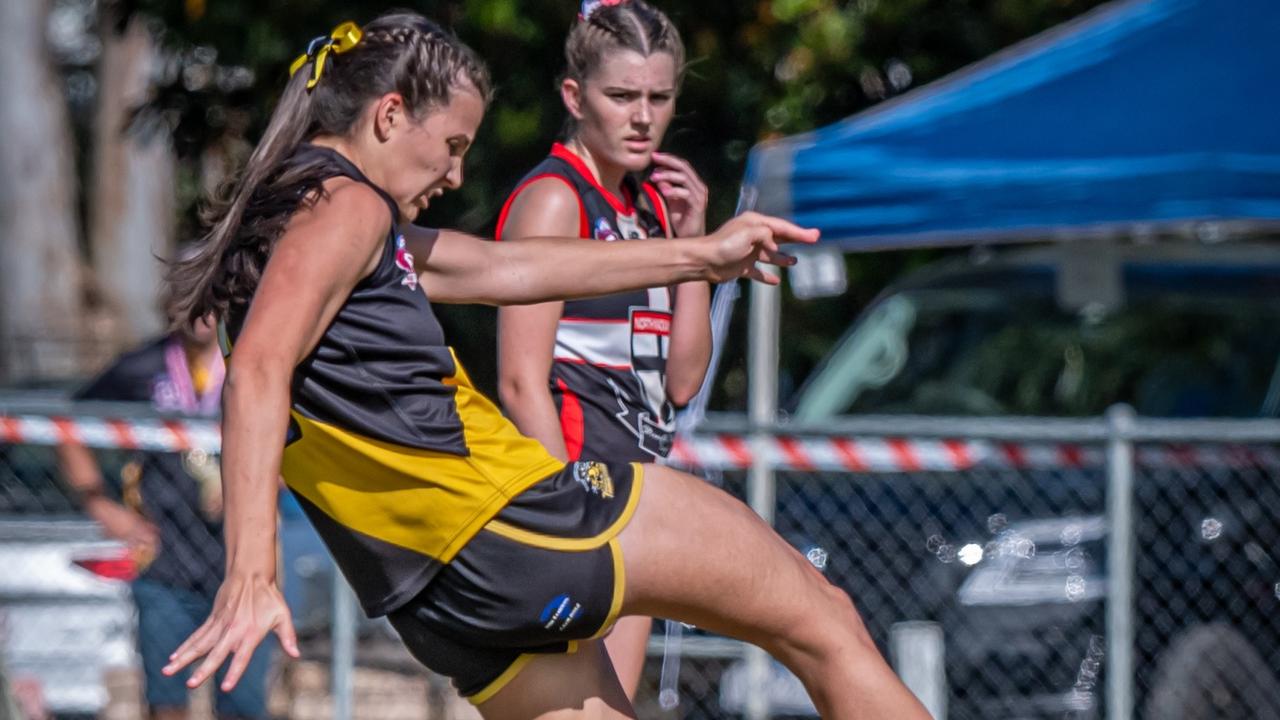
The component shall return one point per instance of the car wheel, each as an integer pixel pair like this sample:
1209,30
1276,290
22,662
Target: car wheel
1212,672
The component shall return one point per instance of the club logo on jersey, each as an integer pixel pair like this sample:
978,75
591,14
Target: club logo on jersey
604,231
654,424
404,261
651,323
594,478
629,226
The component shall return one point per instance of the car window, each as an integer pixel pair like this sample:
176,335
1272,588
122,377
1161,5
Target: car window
1186,341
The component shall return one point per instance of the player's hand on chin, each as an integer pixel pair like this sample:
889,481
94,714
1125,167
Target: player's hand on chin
734,249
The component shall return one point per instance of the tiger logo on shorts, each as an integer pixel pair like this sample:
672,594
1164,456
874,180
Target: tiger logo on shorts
594,478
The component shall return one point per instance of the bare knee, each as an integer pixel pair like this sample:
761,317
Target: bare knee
835,629
850,620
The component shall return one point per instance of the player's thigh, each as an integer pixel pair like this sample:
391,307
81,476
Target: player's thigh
577,686
693,552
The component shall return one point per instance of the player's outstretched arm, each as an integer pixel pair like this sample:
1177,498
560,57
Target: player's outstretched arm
459,268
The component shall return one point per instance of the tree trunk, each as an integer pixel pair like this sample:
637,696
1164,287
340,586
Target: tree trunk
40,264
133,201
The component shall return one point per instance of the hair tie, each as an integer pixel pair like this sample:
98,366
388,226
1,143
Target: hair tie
590,6
343,38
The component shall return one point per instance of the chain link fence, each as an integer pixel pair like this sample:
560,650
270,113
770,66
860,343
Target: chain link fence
1207,581
1108,568
84,595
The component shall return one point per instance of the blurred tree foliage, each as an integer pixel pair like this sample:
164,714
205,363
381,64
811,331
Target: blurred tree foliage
756,69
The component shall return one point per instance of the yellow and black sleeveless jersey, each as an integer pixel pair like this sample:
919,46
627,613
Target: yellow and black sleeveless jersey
397,459
608,375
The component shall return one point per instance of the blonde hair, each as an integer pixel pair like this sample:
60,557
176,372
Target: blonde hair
631,25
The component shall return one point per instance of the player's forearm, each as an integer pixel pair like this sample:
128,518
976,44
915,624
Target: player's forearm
255,421
531,408
690,351
541,269
80,469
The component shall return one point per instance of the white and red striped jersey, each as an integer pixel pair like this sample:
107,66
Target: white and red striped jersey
608,375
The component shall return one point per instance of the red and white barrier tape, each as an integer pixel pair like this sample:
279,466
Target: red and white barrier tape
731,452
162,435
712,452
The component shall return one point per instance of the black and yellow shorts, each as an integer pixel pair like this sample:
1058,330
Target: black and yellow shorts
545,573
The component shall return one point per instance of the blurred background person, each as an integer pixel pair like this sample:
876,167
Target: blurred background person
169,512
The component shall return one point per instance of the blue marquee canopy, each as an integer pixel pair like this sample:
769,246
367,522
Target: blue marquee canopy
1145,115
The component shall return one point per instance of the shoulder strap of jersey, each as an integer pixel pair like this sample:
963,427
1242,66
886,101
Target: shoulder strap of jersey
224,338
551,167
335,164
650,200
339,165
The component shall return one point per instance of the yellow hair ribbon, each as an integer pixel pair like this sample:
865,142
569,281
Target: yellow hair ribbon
343,38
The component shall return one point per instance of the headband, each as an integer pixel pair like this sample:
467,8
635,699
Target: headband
590,6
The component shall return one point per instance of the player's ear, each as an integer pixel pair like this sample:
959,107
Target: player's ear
571,94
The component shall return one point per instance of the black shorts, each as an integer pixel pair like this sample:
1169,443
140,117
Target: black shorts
545,573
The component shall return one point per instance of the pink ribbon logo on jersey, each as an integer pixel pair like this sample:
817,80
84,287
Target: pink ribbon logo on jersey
604,231
404,261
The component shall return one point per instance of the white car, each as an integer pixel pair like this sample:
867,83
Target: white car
66,617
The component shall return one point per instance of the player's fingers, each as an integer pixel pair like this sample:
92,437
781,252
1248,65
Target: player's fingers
767,243
240,661
199,643
694,180
787,231
780,259
212,661
674,192
212,625
746,235
681,173
759,275
764,238
667,181
288,636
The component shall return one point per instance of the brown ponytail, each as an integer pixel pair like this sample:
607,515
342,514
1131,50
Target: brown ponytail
399,52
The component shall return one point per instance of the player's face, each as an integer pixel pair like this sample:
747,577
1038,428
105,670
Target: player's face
427,153
625,107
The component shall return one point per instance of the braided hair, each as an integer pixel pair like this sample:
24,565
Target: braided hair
633,25
607,28
398,52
